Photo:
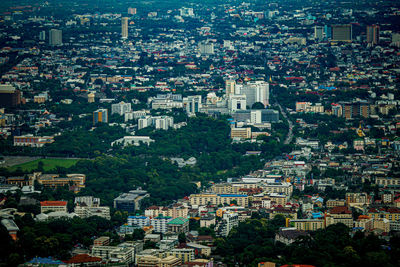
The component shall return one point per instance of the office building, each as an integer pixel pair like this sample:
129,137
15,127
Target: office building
130,201
373,34
100,115
319,33
124,27
342,33
242,133
55,37
9,96
32,141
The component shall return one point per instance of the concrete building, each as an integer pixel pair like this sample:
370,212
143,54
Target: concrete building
192,104
178,225
124,27
160,223
32,141
133,141
140,221
121,108
373,34
342,33
55,37
130,201
229,220
242,133
9,96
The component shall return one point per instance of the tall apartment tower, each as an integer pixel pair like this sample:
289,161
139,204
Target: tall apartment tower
373,34
100,115
230,87
124,30
342,33
55,37
132,11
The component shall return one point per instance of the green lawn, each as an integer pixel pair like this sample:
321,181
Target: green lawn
48,164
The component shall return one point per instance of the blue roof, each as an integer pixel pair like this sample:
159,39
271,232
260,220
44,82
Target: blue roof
232,195
138,217
45,261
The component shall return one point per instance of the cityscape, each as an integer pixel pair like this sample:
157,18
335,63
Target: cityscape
200,133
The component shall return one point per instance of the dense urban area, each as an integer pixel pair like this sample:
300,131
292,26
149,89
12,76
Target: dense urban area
200,133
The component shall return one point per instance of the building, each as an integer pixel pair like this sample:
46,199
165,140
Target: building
217,199
229,220
42,36
342,33
341,215
9,96
257,91
32,141
132,11
55,37
308,224
119,254
133,140
130,201
47,206
100,115
11,227
236,103
242,133
318,33
140,221
91,98
121,108
373,34
124,27
178,225
206,48
192,104
86,212
287,235
102,241
230,87
184,254
75,181
160,223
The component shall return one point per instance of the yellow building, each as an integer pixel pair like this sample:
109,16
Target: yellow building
244,133
308,224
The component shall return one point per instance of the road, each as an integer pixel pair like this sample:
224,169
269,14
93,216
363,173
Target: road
289,136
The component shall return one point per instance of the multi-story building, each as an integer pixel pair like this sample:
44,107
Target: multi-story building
130,201
100,115
76,181
373,34
257,91
216,199
178,225
230,87
140,221
192,104
9,96
242,133
308,224
121,108
229,220
32,141
124,27
341,215
357,199
102,241
184,254
160,224
331,203
342,33
46,206
55,37
85,212
389,182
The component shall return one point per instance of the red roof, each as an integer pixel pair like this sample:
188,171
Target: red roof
82,258
53,203
340,210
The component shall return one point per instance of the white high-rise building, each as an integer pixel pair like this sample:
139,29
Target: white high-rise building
192,104
257,91
55,37
124,25
256,116
319,33
121,108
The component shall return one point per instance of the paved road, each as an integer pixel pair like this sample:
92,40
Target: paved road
289,136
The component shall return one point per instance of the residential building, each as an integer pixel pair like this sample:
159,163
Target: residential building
124,27
102,241
9,96
160,223
342,33
100,115
121,108
229,220
140,221
373,34
184,254
242,133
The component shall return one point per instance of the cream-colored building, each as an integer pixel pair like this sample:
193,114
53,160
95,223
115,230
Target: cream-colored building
244,133
217,199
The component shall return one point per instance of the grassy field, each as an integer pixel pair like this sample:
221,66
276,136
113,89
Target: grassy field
48,164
